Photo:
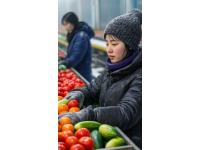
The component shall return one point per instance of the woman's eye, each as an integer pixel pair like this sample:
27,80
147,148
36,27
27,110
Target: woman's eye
114,44
106,44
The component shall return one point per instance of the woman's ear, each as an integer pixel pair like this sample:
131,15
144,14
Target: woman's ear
130,47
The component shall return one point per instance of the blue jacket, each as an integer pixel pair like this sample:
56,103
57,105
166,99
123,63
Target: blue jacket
79,52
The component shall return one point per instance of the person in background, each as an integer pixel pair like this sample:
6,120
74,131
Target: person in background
79,51
118,90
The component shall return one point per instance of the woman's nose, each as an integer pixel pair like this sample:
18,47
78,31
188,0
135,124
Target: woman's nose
109,49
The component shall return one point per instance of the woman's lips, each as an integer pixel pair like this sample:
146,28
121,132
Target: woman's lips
111,57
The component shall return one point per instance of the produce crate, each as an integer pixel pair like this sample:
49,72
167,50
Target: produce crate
129,144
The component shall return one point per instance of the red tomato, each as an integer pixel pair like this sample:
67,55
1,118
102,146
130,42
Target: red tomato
62,74
60,94
77,147
66,88
59,84
87,142
82,132
72,103
66,134
62,79
68,71
79,81
74,78
66,81
83,84
62,71
58,75
71,84
71,140
60,89
61,143
68,76
77,85
62,85
60,138
65,93
61,147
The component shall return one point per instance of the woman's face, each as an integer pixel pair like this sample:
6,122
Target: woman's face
115,48
68,26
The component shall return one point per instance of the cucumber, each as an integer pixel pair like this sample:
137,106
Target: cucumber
64,101
97,139
115,142
108,132
90,125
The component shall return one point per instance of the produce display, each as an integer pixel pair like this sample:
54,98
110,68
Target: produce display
86,135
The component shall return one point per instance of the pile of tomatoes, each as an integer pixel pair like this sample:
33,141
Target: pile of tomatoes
68,80
81,140
68,139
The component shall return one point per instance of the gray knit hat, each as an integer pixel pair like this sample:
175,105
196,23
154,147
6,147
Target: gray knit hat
126,28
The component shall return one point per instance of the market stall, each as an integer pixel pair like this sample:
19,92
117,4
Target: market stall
86,135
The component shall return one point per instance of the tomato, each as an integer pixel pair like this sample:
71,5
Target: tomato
60,89
68,76
61,147
60,137
79,81
87,142
61,143
77,147
71,141
65,93
77,85
72,103
66,81
74,78
66,134
60,93
59,84
62,79
71,84
62,72
66,88
82,132
68,71
62,85
83,84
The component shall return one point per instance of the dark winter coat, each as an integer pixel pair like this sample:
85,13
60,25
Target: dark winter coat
79,52
119,94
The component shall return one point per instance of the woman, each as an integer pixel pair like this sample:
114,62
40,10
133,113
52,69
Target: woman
79,52
118,89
